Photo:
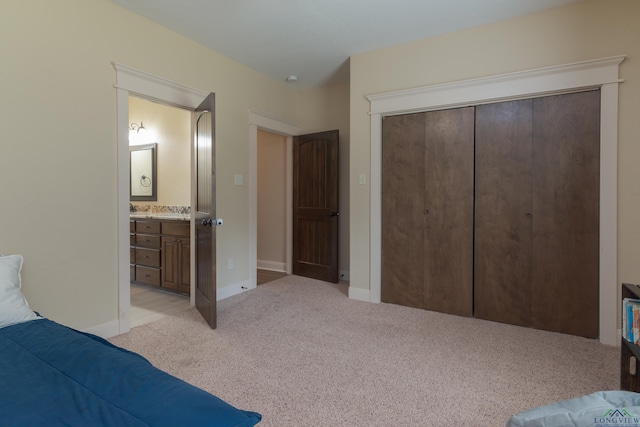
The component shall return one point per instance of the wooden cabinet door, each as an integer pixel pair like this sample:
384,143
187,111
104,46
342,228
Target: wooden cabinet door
565,257
503,175
170,266
184,263
402,266
448,211
175,263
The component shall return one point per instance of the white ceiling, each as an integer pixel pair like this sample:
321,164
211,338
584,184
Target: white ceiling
313,39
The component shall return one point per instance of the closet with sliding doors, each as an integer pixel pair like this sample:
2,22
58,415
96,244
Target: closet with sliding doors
492,211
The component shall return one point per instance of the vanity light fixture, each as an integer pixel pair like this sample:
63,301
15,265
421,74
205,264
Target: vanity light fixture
137,127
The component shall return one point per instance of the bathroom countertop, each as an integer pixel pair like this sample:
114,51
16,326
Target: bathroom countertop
160,215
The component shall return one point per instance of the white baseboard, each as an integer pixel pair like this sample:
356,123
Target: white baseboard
359,294
272,265
235,289
105,330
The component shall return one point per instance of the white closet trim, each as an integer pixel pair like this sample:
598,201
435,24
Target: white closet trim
600,73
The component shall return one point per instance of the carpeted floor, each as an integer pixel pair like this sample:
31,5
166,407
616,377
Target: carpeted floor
301,353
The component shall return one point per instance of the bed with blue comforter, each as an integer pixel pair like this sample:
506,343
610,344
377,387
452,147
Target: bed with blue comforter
51,375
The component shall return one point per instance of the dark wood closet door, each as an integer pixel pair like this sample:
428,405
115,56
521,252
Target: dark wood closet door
448,211
402,267
566,146
502,274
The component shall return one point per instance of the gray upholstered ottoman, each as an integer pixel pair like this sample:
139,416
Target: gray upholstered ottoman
600,409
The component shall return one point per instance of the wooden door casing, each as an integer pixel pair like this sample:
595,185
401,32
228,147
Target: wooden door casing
315,206
504,168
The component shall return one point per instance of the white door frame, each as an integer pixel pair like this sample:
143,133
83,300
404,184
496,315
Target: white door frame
130,81
600,73
259,119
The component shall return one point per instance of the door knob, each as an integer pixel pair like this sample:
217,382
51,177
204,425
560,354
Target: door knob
207,221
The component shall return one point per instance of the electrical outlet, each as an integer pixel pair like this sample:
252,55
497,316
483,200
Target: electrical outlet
230,264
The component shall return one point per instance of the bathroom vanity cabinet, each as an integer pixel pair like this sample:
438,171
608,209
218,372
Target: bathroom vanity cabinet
160,254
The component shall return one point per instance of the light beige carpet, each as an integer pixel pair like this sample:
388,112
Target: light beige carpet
302,354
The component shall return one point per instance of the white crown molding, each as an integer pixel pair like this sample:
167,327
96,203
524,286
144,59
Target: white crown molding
539,81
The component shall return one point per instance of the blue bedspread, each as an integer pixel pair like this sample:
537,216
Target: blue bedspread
51,375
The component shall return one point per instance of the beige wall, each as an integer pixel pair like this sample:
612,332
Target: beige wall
327,108
58,160
170,128
582,31
272,201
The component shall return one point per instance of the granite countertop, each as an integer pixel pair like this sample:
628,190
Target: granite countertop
160,215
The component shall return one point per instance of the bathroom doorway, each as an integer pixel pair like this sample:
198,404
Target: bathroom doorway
169,128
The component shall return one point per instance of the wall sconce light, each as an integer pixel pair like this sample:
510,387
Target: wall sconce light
138,134
137,127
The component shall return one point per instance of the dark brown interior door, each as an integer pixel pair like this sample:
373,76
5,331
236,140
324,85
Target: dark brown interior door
315,206
205,287
448,211
402,261
566,191
502,273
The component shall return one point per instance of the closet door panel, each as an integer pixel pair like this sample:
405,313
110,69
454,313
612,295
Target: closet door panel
448,211
566,141
503,174
402,279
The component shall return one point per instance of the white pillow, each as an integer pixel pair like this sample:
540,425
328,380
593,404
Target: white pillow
13,305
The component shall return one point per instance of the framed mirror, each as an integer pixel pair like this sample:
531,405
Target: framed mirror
142,173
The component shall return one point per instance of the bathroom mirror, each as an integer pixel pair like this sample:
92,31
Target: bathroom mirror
142,173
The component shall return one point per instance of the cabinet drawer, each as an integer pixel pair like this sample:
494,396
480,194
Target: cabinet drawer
148,275
148,241
132,255
176,228
148,257
149,227
132,226
132,239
